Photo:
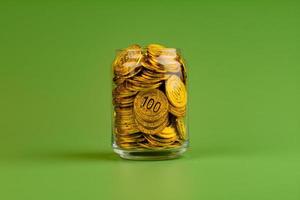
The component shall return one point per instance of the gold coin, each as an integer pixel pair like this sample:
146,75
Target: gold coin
153,143
145,79
151,121
122,131
163,141
177,111
123,91
149,74
154,66
129,53
176,92
155,49
125,121
142,87
151,111
151,104
129,140
128,60
180,126
121,99
133,73
157,142
151,124
152,130
129,68
128,128
128,111
148,145
132,135
144,83
167,133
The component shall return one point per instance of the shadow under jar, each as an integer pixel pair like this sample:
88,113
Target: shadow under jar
150,99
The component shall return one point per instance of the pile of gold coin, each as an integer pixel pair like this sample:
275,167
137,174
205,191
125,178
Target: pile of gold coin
149,98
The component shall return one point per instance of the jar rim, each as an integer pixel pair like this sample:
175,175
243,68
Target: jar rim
166,49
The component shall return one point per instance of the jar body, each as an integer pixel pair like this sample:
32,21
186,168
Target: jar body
150,100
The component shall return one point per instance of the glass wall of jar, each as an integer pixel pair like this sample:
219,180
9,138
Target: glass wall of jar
150,100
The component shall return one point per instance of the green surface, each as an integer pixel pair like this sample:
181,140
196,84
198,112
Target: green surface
244,72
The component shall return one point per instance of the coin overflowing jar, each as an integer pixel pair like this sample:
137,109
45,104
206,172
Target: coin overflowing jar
149,102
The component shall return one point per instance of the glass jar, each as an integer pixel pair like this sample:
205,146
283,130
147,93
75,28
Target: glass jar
149,95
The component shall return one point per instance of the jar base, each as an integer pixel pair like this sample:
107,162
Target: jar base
164,154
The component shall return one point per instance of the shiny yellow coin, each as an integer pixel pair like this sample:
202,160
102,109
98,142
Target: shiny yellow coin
128,60
152,130
151,104
176,92
177,111
180,126
155,49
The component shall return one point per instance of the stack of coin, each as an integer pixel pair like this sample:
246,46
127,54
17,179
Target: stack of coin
176,92
149,98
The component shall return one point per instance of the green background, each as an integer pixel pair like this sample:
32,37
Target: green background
55,99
